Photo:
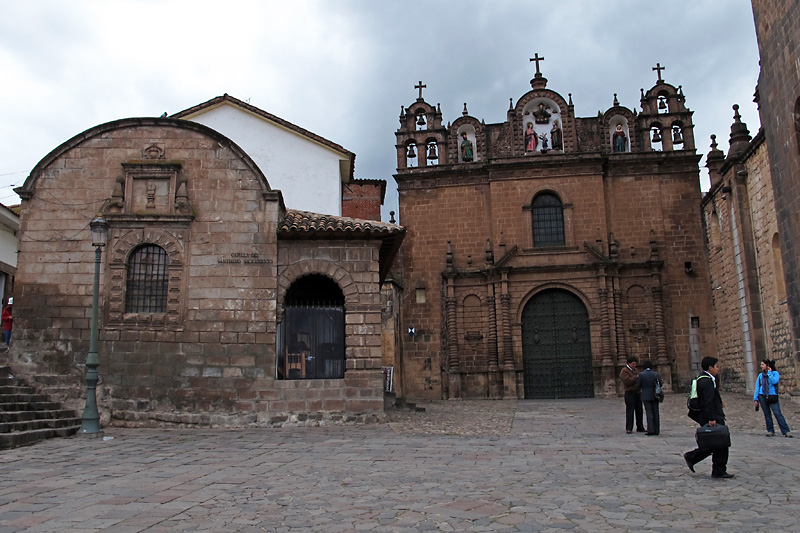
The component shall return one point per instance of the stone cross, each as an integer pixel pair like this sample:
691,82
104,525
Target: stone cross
537,59
659,68
420,86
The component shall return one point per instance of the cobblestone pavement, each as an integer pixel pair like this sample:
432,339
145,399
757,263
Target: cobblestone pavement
533,465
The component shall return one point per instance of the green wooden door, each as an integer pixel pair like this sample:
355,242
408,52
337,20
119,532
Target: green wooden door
556,348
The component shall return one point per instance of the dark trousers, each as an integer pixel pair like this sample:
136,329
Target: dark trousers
719,459
653,420
633,405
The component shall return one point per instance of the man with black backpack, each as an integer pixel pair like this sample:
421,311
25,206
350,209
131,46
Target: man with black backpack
710,413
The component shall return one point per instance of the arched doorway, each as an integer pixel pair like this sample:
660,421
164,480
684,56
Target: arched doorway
556,347
311,335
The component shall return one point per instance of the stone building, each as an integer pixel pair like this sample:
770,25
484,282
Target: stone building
777,29
745,262
544,250
218,305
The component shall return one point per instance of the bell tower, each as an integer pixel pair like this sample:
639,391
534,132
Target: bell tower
665,118
421,138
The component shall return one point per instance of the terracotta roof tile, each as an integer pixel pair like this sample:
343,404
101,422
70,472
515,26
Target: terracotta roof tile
314,224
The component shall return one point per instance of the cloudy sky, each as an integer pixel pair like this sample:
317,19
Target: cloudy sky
343,68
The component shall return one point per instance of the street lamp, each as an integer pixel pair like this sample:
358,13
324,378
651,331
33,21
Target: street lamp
90,422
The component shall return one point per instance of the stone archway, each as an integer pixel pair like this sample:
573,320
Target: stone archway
556,346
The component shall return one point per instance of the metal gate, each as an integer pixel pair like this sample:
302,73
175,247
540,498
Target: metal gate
556,347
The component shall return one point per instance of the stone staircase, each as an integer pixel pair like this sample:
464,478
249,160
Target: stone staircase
27,416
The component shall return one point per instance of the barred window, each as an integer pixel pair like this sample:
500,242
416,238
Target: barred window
147,281
548,221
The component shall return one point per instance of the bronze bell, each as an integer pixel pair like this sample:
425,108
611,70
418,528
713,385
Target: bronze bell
420,120
676,136
656,136
432,151
662,103
411,153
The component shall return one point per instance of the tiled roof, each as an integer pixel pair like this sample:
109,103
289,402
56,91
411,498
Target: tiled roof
305,225
316,225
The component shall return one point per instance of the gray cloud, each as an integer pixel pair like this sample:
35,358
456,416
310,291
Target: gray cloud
343,69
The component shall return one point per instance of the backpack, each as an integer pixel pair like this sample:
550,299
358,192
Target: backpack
693,402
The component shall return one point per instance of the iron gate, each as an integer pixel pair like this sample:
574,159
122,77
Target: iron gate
556,347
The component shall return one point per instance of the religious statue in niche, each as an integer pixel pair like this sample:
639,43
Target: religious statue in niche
555,137
619,141
543,138
466,148
541,115
531,140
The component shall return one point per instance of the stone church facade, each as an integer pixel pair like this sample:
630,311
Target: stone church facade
218,305
544,250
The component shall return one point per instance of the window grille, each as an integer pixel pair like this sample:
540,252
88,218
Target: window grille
147,280
312,342
548,221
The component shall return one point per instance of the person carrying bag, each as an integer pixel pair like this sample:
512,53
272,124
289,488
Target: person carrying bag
712,415
766,396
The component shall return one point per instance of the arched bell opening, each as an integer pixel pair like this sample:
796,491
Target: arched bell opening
656,140
412,159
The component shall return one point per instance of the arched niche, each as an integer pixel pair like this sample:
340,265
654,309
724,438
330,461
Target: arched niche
619,134
464,144
538,118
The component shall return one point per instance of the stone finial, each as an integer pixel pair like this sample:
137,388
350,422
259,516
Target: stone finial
616,102
489,252
465,112
740,135
391,217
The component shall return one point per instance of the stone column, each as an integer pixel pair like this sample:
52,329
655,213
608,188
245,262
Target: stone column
662,361
453,375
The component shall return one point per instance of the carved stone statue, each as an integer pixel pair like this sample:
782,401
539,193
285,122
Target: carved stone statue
466,148
541,115
531,140
619,141
555,137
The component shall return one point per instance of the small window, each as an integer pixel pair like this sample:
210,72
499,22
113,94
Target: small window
548,221
147,280
420,296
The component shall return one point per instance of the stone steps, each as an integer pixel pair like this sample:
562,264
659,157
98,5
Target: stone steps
27,416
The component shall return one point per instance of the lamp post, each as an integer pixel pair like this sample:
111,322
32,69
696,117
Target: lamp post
90,422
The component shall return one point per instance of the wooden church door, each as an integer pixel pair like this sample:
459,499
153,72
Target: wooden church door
556,347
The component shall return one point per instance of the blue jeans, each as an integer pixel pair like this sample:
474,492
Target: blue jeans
8,336
775,409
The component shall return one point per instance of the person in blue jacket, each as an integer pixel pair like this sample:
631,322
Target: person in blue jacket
766,385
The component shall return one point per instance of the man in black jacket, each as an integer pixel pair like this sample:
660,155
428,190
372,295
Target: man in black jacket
711,413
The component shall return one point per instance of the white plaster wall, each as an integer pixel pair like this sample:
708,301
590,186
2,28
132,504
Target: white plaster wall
306,173
9,224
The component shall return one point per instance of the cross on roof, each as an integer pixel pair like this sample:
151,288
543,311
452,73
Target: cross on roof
420,86
659,68
537,59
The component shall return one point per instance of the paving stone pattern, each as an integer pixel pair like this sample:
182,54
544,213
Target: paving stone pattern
537,465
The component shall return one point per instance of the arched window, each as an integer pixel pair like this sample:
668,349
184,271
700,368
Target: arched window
311,335
147,280
548,221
